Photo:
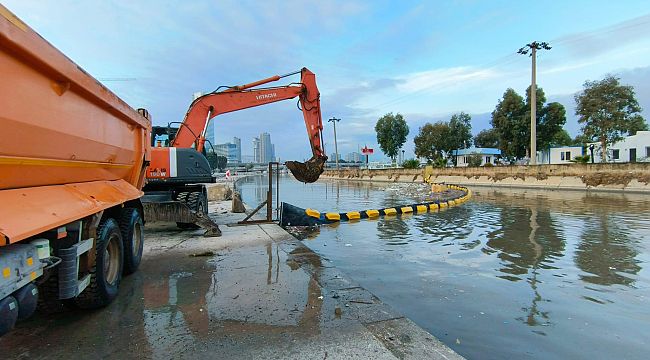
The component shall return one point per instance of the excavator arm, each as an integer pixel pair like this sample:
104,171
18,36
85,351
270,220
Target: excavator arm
203,109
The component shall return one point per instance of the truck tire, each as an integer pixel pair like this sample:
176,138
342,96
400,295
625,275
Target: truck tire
48,299
8,314
106,275
27,298
132,229
193,201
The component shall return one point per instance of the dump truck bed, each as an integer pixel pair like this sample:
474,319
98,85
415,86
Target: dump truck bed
66,139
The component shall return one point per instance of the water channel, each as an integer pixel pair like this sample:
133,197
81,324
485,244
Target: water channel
511,274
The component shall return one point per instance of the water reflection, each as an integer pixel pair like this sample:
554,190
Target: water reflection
447,226
262,293
606,253
527,239
394,230
569,266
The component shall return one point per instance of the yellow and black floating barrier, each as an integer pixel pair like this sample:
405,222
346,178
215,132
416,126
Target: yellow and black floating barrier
295,216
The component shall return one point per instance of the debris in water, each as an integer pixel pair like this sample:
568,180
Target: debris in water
206,253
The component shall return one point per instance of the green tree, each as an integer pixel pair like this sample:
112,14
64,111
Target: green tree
511,119
580,140
507,120
488,138
474,160
460,131
607,110
550,126
561,138
637,124
222,161
392,131
411,164
432,140
550,120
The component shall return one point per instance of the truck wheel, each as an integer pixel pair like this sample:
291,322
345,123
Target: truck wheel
8,314
131,227
192,200
106,275
48,299
27,298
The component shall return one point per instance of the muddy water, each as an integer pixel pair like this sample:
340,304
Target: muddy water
510,274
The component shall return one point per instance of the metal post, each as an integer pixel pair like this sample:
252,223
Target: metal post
269,195
533,113
336,147
534,46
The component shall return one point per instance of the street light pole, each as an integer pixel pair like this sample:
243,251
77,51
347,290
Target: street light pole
533,47
336,147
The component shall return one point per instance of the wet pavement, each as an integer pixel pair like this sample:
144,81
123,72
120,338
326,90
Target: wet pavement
255,293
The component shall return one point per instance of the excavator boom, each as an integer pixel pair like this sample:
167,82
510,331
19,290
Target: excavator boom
204,108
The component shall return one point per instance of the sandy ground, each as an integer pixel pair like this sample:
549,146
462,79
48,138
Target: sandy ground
254,293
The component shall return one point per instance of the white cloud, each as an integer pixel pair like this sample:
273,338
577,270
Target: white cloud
442,79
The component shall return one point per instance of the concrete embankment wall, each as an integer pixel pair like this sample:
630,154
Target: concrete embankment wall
599,177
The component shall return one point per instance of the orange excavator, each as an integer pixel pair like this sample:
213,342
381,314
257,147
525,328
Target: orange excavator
177,172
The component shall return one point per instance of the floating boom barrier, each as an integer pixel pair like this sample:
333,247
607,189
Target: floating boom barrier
291,215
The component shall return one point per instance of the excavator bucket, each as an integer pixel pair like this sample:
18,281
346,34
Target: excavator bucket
309,171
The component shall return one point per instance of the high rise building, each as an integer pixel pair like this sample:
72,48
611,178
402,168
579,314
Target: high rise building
237,142
353,157
230,151
256,150
263,149
266,148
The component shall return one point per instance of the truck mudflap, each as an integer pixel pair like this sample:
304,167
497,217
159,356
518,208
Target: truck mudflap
179,212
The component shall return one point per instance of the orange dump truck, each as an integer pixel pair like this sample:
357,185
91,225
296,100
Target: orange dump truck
72,165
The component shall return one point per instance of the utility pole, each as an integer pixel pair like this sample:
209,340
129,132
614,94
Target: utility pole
336,147
533,47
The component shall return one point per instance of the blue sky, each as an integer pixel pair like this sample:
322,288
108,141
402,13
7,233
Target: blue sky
425,60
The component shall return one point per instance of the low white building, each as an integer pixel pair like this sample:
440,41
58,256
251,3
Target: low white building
635,148
488,155
559,155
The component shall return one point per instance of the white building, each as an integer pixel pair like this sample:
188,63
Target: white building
488,155
559,155
332,157
353,157
631,149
